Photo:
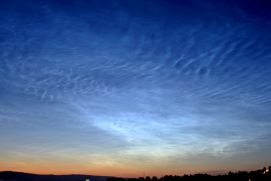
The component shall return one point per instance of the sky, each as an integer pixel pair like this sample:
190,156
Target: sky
133,87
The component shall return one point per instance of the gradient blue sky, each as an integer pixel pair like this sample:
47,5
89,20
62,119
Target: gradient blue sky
135,87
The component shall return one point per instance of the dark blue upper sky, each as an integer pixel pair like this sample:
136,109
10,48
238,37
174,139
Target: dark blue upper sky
133,87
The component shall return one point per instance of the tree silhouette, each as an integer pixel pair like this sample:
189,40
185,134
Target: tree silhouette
257,175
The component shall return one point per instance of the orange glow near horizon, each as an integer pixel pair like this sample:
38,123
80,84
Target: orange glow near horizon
62,169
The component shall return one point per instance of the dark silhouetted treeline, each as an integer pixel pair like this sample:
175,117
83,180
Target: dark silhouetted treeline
262,174
258,175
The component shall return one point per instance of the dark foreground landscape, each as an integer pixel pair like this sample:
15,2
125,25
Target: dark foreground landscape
261,174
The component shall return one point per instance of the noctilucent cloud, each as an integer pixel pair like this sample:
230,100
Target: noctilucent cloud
135,88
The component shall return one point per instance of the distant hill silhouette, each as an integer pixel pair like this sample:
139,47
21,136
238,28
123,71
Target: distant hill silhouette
20,176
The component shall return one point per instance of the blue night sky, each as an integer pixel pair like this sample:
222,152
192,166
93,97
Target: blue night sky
135,87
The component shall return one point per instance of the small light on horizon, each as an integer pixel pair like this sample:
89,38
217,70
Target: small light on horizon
266,171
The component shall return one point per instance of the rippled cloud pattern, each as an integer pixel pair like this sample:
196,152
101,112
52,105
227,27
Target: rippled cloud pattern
135,87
